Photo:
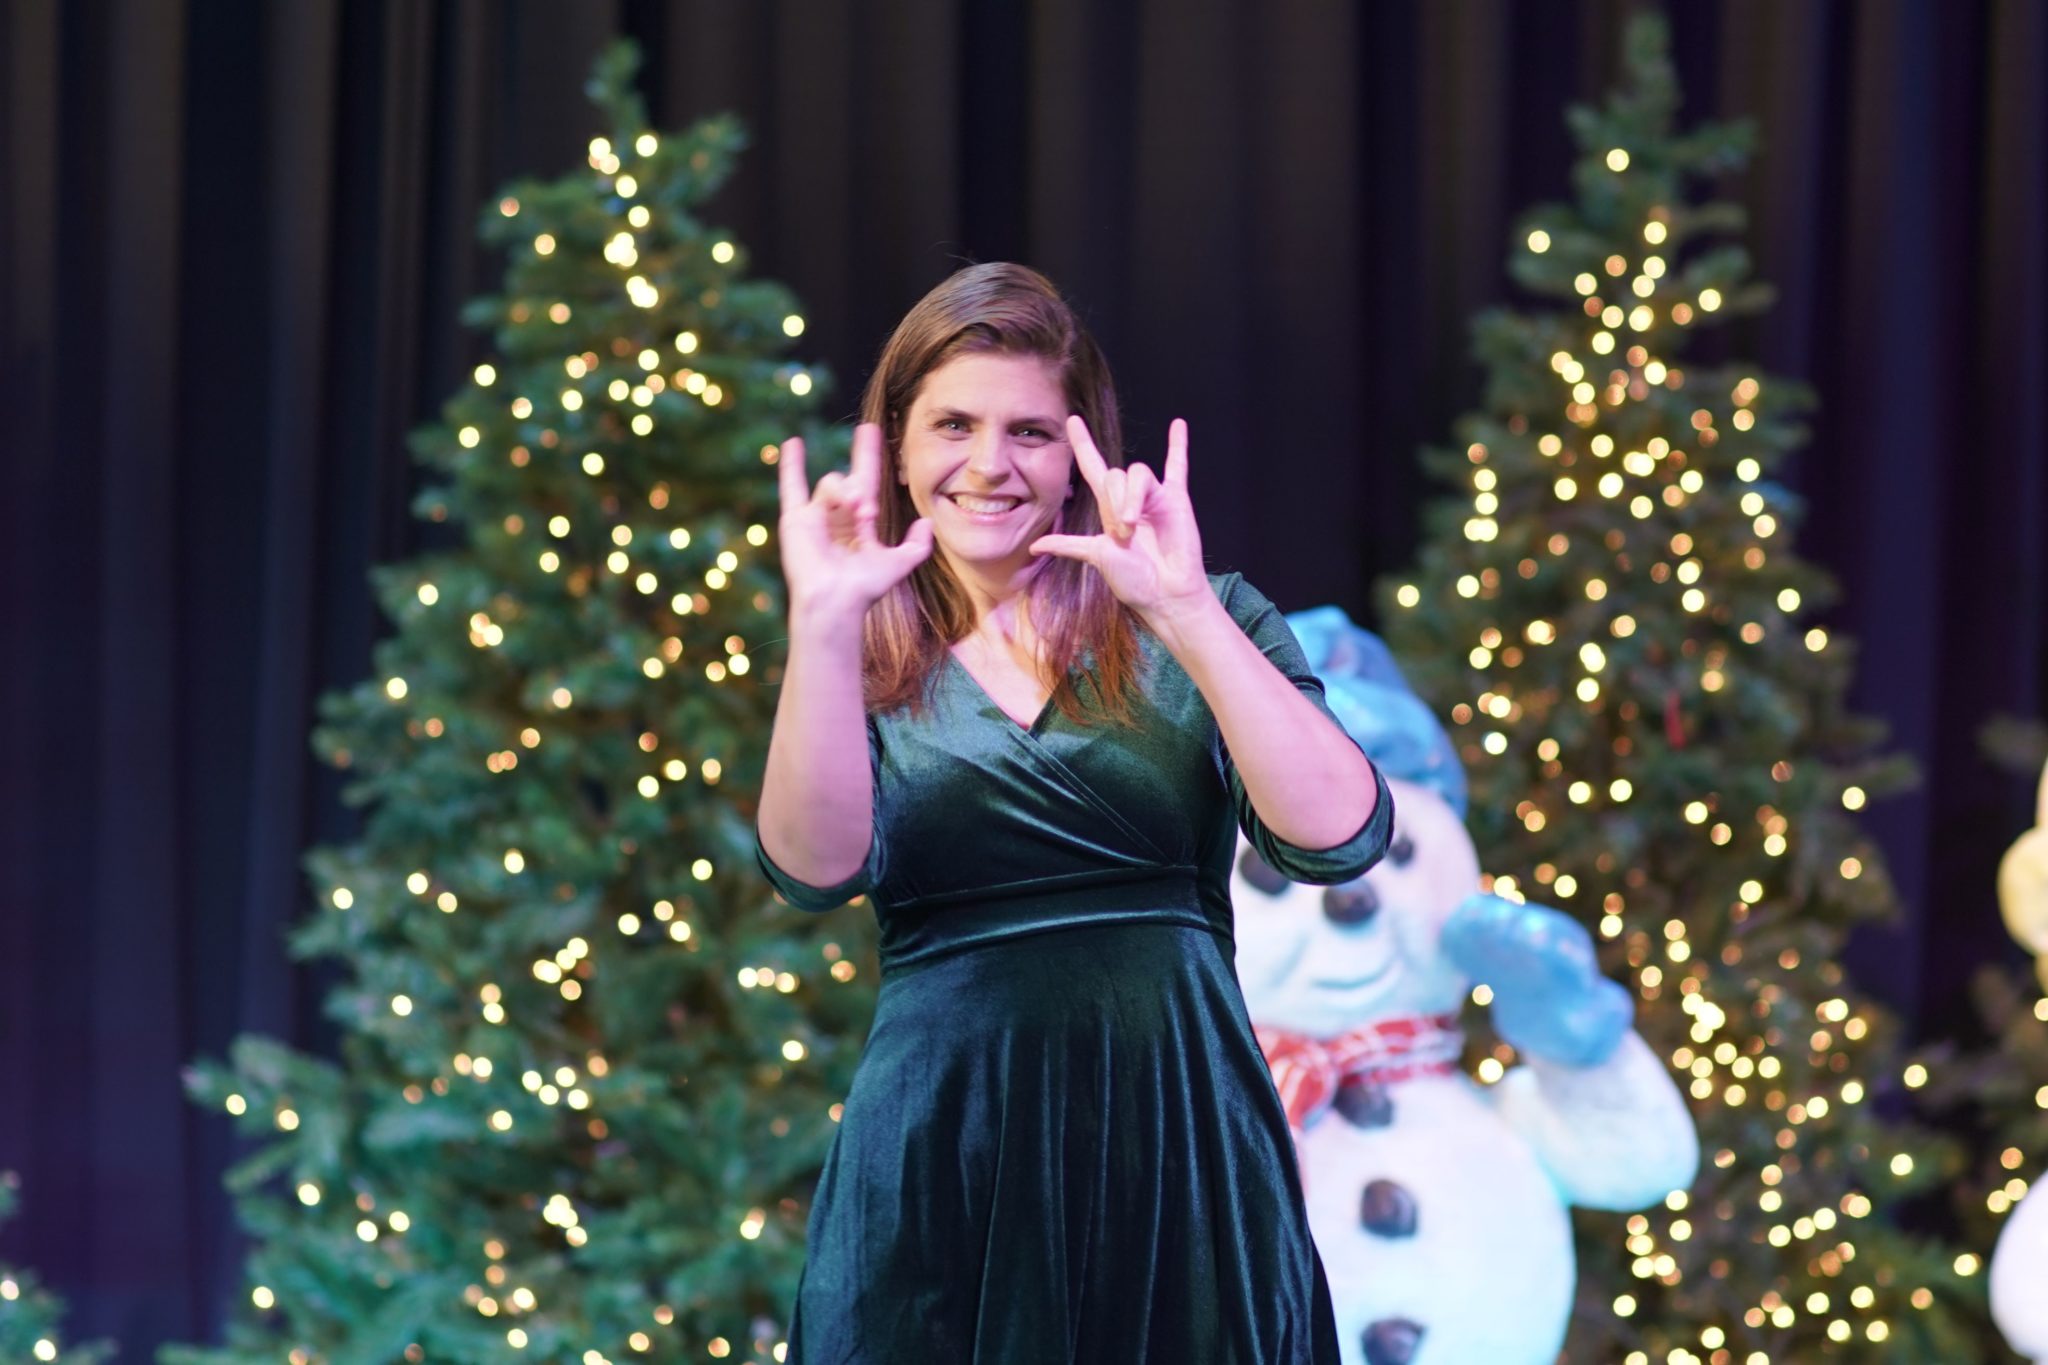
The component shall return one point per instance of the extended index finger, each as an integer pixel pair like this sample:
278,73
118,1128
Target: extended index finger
865,470
1088,459
790,478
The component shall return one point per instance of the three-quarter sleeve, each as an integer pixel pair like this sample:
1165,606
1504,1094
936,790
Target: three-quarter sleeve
1268,629
803,895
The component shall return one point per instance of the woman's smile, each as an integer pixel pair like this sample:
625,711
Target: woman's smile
984,508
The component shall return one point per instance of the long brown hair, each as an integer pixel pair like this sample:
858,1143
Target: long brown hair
1016,311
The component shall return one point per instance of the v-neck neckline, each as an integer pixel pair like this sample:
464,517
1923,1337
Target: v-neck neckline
1037,722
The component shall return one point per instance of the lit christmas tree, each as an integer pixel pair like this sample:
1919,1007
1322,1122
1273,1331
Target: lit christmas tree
590,1068
30,1316
1611,616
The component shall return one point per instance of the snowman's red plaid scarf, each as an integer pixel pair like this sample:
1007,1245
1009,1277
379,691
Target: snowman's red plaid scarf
1308,1072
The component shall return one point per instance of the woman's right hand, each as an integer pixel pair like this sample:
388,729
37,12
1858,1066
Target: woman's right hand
831,559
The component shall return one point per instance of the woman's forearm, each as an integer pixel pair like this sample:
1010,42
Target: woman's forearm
1308,782
817,795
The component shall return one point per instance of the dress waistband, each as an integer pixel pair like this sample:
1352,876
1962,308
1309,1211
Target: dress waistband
929,928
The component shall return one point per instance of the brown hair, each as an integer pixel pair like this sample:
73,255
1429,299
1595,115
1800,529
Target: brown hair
1016,311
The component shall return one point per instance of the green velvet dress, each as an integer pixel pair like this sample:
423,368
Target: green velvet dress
1062,1143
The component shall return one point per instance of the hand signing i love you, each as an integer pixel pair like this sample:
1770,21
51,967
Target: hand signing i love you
1149,551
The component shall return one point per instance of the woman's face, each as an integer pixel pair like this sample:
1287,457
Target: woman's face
985,456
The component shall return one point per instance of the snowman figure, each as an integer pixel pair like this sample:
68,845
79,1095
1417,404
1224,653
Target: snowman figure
2019,1267
1440,1207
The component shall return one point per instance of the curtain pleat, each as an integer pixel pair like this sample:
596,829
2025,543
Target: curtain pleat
140,831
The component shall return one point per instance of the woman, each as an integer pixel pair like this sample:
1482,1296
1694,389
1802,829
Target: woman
1019,715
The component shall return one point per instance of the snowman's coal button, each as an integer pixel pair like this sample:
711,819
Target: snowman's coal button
1387,1210
1365,1104
1392,1341
1259,873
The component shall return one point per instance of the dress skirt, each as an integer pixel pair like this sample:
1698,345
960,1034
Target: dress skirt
1063,1148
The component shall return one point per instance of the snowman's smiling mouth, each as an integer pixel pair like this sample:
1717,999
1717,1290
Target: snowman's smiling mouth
1370,978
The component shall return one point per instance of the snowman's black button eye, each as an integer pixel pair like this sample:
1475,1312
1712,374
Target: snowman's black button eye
1260,874
1402,851
1351,905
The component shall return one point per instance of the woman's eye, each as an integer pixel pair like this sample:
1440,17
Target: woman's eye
1034,434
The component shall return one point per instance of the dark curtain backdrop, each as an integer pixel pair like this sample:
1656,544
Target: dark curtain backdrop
236,235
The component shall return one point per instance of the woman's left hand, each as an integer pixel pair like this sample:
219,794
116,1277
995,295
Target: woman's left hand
1149,552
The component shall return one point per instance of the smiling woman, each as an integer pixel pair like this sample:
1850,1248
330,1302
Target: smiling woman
972,395
1062,1142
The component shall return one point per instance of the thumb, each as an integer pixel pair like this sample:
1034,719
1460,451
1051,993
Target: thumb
916,546
1087,549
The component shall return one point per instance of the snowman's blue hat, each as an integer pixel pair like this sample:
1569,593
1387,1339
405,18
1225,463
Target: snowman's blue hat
1374,702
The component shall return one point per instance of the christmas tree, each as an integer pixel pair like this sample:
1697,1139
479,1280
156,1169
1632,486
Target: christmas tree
30,1314
589,1067
1610,614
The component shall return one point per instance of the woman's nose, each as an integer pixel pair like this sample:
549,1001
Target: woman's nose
989,455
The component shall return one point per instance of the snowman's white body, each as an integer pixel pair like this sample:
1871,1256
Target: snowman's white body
1484,1204
2019,1278
2019,1266
1487,1273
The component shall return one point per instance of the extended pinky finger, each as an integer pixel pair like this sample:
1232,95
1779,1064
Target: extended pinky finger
790,479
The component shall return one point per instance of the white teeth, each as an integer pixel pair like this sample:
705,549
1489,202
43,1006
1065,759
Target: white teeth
983,505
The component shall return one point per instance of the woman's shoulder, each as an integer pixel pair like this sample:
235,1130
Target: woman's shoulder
1225,585
1245,603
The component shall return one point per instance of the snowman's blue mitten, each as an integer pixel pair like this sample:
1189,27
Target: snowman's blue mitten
1549,999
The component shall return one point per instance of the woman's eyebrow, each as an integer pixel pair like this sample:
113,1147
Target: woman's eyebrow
962,415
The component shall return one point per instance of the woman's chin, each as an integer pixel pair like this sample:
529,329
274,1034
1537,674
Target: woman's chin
990,549
995,569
